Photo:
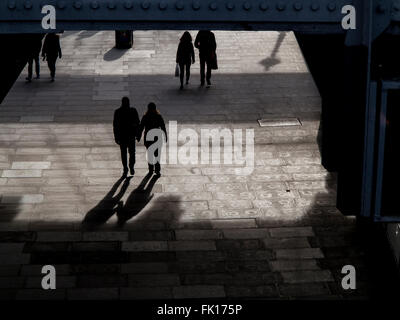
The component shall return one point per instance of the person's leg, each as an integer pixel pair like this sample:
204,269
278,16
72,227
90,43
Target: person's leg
181,73
157,154
187,73
132,156
202,69
30,66
37,65
150,160
52,66
124,156
208,77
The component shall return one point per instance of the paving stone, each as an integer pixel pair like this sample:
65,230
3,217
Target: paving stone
198,234
306,276
34,173
266,291
12,259
30,165
102,281
93,294
58,236
143,293
291,232
254,233
155,267
154,280
22,199
40,294
105,236
293,265
283,243
301,290
145,246
198,292
191,245
306,253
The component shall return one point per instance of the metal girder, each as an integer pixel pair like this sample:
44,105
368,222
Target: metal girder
23,16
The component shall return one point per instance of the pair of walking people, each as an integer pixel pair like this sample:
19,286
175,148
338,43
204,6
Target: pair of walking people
51,52
205,42
128,129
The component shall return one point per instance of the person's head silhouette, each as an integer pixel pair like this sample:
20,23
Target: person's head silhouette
125,102
186,37
152,108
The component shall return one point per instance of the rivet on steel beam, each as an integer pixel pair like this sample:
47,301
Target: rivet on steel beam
332,6
28,5
77,4
145,5
264,6
94,5
163,5
179,5
281,6
213,6
297,6
128,5
11,5
61,4
111,5
246,6
230,6
315,6
196,5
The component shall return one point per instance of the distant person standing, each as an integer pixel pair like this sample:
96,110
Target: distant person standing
34,56
153,125
126,125
185,57
51,51
205,42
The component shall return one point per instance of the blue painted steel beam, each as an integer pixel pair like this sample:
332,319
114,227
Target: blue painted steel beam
24,16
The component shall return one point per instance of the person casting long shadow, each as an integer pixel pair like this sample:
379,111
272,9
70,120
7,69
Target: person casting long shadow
137,200
104,210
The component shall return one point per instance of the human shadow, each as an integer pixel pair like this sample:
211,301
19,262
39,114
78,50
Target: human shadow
272,60
107,206
137,200
114,54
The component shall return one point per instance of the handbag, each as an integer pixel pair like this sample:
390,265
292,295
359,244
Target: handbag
177,70
214,62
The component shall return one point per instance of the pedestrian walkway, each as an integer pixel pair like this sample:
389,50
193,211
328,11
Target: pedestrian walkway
200,230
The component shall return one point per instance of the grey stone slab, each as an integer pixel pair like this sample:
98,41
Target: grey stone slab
34,173
198,292
301,253
30,165
22,199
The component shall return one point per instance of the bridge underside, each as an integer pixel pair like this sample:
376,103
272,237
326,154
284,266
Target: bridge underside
206,232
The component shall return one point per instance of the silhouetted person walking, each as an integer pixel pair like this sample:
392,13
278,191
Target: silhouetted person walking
36,47
185,57
51,51
126,126
153,125
205,42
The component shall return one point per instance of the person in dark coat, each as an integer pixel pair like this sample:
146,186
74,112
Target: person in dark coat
153,138
34,56
126,126
185,56
51,51
205,42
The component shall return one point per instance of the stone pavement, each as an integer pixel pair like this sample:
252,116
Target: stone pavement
198,231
